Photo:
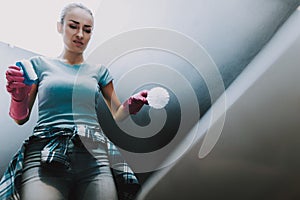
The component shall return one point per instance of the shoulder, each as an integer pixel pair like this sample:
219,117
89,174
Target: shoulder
101,69
41,63
104,75
37,60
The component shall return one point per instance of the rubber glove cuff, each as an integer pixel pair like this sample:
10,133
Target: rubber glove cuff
19,109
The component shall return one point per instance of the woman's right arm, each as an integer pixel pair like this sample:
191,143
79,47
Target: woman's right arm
22,95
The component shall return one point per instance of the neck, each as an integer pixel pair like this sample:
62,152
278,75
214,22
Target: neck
71,58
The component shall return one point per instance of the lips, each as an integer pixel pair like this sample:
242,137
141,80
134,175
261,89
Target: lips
78,43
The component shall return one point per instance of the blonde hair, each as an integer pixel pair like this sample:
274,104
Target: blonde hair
71,6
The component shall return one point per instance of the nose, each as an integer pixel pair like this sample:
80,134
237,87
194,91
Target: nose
79,33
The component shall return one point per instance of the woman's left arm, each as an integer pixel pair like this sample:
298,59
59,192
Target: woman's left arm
119,110
116,108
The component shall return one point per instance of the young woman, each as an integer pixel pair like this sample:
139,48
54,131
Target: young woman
67,156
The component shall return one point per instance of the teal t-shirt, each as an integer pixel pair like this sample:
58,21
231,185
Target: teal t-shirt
68,94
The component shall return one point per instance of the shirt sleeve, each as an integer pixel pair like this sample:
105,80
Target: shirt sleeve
35,61
104,76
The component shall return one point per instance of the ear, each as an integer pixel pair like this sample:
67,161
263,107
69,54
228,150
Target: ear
59,27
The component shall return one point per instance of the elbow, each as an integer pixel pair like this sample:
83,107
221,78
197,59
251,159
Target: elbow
22,121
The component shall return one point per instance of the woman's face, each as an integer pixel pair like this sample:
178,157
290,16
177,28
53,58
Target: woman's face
76,30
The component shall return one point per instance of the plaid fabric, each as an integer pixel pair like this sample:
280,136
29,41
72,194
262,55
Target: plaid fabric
11,181
54,153
126,182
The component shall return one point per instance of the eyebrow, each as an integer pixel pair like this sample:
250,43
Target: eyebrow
76,22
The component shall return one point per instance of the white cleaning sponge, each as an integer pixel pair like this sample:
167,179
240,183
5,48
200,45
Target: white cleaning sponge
29,73
158,97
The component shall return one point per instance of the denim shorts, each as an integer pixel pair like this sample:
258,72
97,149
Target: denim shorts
88,177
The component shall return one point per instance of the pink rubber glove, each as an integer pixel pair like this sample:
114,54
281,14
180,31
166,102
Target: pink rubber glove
19,93
136,102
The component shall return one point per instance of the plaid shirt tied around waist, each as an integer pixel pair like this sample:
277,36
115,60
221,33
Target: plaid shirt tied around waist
54,153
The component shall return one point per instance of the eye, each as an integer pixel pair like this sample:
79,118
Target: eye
87,30
72,26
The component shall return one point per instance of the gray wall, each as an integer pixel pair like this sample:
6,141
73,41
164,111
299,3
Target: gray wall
231,32
257,154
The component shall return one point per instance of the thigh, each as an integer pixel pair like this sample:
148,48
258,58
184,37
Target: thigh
94,180
38,185
96,187
38,182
